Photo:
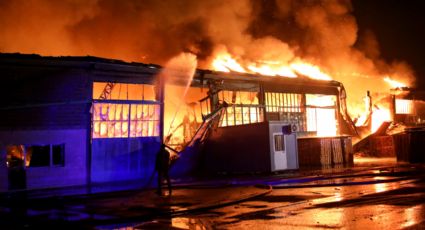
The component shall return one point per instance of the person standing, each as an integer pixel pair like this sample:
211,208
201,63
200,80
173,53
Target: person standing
162,165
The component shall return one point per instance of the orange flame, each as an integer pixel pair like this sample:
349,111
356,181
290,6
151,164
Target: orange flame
394,83
226,63
269,70
379,116
310,71
324,117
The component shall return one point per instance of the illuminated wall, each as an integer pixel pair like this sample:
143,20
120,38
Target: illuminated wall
43,171
125,131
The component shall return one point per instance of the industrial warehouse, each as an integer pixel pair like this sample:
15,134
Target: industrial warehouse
88,120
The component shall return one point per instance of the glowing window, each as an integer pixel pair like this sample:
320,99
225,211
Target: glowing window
403,106
35,155
287,107
114,120
283,102
238,97
321,114
243,108
123,91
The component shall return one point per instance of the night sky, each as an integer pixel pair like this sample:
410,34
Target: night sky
399,27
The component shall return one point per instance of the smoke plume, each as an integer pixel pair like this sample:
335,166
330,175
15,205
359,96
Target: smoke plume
322,32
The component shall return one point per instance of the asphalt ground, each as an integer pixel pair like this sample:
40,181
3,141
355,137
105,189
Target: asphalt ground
84,208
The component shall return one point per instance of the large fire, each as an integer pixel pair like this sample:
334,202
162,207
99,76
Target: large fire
288,42
378,113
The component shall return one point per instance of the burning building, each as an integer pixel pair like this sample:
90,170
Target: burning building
84,120
399,133
408,112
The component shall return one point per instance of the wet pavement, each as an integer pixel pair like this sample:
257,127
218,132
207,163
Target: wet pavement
88,211
373,195
392,198
395,205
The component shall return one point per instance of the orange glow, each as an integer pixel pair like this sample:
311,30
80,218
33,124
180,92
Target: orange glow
379,116
404,106
326,125
321,114
412,215
225,62
380,187
182,115
394,83
244,108
324,122
310,71
270,70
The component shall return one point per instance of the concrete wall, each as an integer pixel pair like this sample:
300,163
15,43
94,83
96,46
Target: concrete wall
73,173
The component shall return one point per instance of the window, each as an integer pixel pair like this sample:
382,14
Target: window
283,102
321,114
279,142
123,91
403,106
126,110
243,108
238,97
287,107
114,120
36,155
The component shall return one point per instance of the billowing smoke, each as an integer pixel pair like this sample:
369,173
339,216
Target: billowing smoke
321,32
135,30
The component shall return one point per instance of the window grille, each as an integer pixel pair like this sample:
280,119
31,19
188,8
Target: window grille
122,120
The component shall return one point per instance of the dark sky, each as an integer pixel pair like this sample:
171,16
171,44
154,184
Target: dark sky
399,26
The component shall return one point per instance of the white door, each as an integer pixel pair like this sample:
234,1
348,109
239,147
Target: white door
279,151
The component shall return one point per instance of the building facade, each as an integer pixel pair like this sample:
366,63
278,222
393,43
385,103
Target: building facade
69,121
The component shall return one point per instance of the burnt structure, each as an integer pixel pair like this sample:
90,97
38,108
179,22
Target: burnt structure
401,137
83,120
408,112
